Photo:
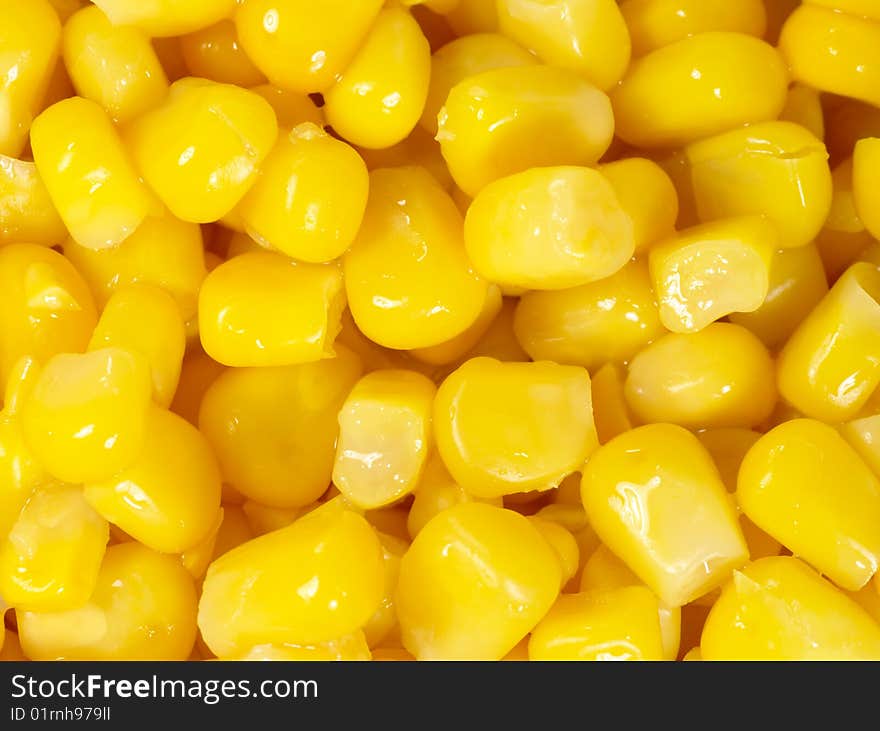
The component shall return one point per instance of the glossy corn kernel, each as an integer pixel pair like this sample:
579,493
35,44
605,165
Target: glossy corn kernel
26,211
719,80
866,159
419,148
301,45
473,583
298,206
830,366
311,582
28,59
504,428
633,489
562,542
720,376
46,306
85,417
407,277
201,148
168,497
863,435
384,619
465,57
351,647
587,36
833,52
775,169
143,608
803,106
610,409
215,53
167,17
610,624
492,124
653,24
549,228
805,486
51,557
797,284
647,195
146,320
291,108
263,309
264,519
384,437
198,557
113,65
710,271
610,320
274,430
378,100
88,174
780,609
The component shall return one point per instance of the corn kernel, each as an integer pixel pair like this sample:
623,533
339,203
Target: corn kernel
198,557
86,170
587,36
384,619
493,124
291,108
720,376
378,100
143,608
215,53
264,519
633,489
112,65
500,340
562,542
503,428
26,211
350,647
719,81
318,579
473,583
274,430
866,158
779,609
575,210
610,409
863,435
297,206
803,106
167,17
411,233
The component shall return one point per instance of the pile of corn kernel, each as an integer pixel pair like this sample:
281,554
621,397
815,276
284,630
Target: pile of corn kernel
440,329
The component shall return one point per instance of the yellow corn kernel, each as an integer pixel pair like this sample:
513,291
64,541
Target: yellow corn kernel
112,65
504,428
719,81
493,124
274,430
86,170
299,204
145,319
835,522
384,619
833,52
465,57
775,169
780,609
45,306
656,23
604,624
830,366
26,211
864,8
586,36
866,159
605,321
301,45
197,558
562,542
646,193
349,648
263,309
28,60
407,277
390,521
167,17
291,108
264,519
163,251
384,437
378,100
473,583
777,13
143,608
844,216
633,489
863,435
548,228
373,356
720,376
318,579
234,530
797,284
712,270
473,16
675,164
500,341
85,418
419,148
50,560
201,148
803,106
215,53
610,409
168,497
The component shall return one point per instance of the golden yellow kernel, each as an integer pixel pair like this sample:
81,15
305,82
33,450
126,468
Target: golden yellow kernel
214,52
26,211
167,17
